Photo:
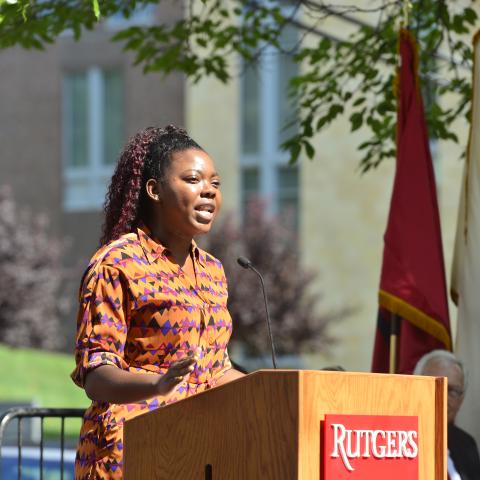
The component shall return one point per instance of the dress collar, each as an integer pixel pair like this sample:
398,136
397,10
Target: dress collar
154,249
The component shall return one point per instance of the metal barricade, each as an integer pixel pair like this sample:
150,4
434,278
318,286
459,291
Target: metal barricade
21,413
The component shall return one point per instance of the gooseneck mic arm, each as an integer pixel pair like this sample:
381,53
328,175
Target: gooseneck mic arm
247,264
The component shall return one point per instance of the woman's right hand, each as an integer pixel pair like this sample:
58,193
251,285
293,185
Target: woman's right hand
176,374
108,383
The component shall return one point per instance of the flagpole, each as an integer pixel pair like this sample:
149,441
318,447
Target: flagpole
395,319
394,328
418,299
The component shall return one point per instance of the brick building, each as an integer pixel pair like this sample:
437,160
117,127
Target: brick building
65,113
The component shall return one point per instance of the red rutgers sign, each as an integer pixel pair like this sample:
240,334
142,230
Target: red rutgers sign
370,447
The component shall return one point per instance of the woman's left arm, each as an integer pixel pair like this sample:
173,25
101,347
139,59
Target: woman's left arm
230,375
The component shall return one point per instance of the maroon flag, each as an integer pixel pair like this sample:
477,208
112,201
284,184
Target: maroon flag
412,285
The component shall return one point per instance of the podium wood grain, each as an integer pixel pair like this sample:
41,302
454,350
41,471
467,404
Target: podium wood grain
267,425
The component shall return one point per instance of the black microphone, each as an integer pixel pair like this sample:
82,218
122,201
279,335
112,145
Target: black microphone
246,263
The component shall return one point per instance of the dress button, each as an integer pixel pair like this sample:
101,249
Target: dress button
211,334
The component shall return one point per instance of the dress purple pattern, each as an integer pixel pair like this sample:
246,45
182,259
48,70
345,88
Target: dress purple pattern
140,312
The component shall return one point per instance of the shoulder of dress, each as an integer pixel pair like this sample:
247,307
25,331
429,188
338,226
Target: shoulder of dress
115,254
119,252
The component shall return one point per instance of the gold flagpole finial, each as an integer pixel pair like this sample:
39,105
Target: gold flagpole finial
407,6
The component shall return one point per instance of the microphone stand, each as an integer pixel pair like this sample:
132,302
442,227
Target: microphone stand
245,263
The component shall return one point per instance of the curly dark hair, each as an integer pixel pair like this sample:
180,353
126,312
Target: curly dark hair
146,155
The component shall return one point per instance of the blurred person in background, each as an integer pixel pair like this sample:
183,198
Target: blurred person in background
463,457
153,324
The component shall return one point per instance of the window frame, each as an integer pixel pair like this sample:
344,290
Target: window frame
84,187
269,158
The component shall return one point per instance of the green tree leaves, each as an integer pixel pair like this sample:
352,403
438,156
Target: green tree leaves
96,9
349,72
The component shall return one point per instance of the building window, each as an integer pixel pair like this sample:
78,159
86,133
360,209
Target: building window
141,15
250,186
93,132
287,201
268,119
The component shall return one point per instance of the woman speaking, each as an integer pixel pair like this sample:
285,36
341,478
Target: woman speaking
153,325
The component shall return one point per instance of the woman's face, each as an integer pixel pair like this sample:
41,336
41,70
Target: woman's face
189,198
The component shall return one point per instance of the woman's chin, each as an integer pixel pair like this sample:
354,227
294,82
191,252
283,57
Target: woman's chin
202,224
203,228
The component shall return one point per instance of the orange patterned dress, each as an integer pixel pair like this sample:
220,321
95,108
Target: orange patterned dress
140,312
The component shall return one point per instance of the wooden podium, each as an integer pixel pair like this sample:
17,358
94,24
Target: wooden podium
267,425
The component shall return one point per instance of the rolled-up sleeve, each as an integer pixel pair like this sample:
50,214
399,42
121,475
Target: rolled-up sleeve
101,322
224,366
